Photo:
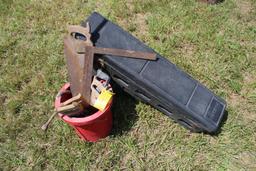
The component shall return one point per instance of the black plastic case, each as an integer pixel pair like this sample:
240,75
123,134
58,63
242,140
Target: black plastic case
159,83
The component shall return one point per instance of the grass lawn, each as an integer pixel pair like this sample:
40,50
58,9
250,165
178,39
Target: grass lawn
215,44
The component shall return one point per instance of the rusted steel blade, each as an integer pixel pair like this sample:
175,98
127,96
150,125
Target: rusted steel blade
87,74
74,68
75,63
125,53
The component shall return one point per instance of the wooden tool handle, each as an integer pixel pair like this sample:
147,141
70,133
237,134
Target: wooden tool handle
72,99
45,126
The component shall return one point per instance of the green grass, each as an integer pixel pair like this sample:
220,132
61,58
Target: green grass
215,44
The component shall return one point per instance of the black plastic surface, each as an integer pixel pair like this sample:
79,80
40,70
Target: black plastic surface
159,83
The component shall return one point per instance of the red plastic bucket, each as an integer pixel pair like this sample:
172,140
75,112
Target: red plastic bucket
90,128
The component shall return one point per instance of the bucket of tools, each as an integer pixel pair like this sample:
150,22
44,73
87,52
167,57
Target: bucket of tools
90,126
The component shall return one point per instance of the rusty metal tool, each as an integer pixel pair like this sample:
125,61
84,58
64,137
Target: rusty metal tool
79,54
124,53
80,65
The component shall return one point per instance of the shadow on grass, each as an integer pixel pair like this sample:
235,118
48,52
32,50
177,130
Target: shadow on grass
212,2
125,116
124,113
